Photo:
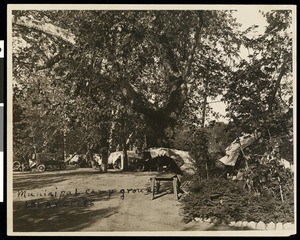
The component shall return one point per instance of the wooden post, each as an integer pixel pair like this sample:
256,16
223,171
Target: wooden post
152,186
157,186
280,189
175,187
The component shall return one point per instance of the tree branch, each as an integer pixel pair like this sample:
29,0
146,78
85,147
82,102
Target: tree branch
50,30
138,100
196,42
277,84
46,28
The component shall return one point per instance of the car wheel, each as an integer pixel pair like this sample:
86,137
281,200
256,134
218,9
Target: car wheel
63,166
140,167
41,168
16,165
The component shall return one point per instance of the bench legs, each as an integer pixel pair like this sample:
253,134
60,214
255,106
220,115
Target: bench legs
175,187
155,185
152,187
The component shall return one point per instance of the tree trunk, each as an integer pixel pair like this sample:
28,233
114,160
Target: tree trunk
272,96
104,154
161,122
160,130
65,144
204,110
125,157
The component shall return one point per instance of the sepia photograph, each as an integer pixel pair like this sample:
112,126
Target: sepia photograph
151,120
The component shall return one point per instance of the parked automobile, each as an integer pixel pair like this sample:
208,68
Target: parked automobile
30,166
50,160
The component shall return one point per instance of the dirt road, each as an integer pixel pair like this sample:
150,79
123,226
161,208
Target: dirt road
86,200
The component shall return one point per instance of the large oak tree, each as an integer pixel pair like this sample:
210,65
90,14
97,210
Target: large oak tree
142,60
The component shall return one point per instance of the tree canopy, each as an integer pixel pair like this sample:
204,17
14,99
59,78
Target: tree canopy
112,76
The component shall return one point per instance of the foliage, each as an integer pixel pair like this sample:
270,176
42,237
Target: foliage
206,145
228,201
267,174
108,76
199,151
137,60
259,91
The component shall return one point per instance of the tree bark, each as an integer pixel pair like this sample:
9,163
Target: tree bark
196,43
104,144
125,157
104,164
160,130
65,143
204,110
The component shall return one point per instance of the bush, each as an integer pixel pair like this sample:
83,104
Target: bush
228,201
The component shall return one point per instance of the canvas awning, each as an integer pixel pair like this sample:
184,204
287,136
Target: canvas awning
119,154
181,158
234,149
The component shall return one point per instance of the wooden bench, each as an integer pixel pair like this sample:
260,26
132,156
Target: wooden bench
155,184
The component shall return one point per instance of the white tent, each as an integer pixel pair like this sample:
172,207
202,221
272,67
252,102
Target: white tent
234,149
182,158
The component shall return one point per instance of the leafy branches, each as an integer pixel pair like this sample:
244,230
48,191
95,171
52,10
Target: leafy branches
253,90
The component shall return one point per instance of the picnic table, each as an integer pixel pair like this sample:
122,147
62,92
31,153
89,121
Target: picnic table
155,183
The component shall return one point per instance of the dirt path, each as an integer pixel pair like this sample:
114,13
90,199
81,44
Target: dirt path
85,200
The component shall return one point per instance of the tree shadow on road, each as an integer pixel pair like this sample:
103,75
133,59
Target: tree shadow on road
68,214
46,179
37,182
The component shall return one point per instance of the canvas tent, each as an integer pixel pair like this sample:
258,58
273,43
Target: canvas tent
114,156
182,158
234,149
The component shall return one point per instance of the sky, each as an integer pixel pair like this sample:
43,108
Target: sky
247,17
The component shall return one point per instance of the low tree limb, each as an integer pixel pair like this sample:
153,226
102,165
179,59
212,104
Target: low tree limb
138,100
46,28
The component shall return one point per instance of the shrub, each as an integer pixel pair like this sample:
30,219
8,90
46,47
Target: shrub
228,200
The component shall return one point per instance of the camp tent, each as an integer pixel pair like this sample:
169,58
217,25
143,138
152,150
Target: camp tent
182,158
234,149
114,156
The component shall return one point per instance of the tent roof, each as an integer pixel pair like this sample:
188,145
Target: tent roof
115,155
181,158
